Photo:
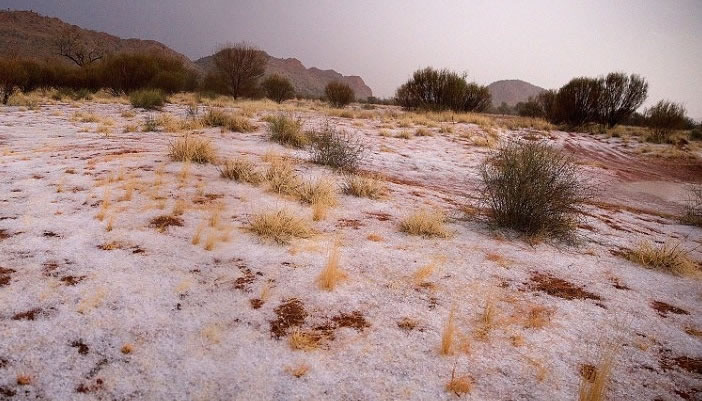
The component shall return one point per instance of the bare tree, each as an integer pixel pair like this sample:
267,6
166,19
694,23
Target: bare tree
620,96
70,44
240,66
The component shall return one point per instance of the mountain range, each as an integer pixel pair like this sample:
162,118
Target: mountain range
27,33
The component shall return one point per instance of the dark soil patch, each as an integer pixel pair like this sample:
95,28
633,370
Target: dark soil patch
90,388
353,223
353,320
557,287
49,268
7,392
50,234
692,365
82,348
5,276
4,235
28,315
161,223
256,303
617,284
201,200
290,313
380,216
3,363
663,309
72,280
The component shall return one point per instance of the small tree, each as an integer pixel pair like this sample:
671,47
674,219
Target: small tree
239,67
531,108
339,94
577,102
70,44
431,89
663,118
278,88
620,96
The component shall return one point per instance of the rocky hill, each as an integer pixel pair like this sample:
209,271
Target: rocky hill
307,81
27,33
512,91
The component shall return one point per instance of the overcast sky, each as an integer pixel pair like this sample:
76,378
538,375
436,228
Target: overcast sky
540,41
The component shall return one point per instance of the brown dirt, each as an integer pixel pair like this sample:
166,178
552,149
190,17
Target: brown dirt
692,365
161,223
557,287
353,223
27,315
82,348
353,320
4,235
256,303
588,372
663,309
5,276
407,324
291,313
380,216
72,280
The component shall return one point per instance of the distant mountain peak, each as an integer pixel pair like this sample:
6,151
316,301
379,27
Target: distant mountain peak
512,91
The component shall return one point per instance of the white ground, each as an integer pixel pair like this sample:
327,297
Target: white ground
196,337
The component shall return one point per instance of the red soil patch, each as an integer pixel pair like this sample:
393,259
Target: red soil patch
5,276
663,309
161,223
290,313
557,287
353,223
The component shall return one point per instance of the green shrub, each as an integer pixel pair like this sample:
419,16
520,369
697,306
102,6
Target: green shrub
150,99
533,188
339,94
287,131
336,149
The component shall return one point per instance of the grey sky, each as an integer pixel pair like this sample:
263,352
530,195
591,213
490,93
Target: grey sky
544,42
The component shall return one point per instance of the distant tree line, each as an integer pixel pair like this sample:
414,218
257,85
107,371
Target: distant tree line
438,90
238,71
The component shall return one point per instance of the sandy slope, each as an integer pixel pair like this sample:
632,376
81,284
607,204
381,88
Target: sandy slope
69,307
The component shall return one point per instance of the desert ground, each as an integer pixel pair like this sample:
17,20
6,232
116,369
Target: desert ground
125,275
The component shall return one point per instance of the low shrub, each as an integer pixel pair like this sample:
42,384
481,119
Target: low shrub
287,130
533,188
320,192
281,177
198,150
337,149
664,118
150,99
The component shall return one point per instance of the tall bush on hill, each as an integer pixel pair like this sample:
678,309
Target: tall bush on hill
12,77
339,94
620,96
431,89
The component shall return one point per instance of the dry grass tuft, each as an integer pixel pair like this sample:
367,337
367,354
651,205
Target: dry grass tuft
538,317
332,274
232,122
426,223
304,340
365,186
298,370
198,150
420,276
487,321
459,385
448,335
321,192
279,226
596,389
287,130
375,237
281,176
241,169
669,257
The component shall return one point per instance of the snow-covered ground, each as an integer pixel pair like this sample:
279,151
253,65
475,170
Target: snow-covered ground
134,313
